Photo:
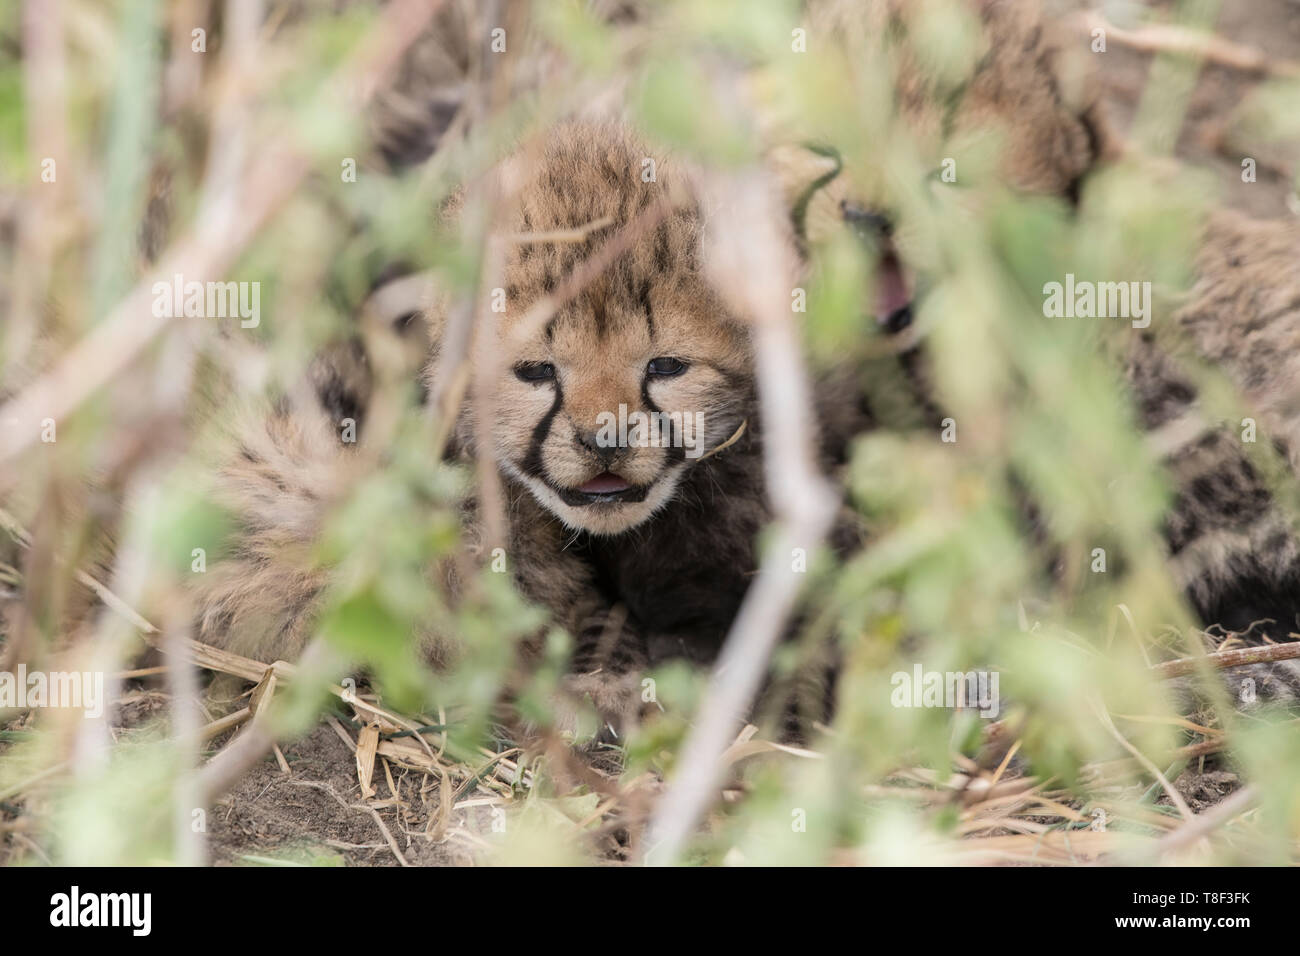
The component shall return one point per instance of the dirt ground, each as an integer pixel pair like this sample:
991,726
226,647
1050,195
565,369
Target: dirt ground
309,815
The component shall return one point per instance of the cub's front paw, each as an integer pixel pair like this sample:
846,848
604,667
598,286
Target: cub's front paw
598,706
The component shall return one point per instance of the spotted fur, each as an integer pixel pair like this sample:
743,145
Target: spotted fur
1233,548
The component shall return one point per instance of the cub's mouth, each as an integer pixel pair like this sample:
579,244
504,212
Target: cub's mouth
605,488
893,297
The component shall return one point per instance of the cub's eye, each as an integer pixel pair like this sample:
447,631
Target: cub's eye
666,366
535,371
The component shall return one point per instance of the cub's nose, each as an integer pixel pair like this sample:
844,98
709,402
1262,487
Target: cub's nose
605,454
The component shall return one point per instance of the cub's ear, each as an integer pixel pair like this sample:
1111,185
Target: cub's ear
811,187
400,321
403,317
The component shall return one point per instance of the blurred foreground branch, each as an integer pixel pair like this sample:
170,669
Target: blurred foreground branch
755,269
210,250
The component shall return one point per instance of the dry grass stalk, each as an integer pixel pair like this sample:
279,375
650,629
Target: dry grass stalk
1237,657
1181,41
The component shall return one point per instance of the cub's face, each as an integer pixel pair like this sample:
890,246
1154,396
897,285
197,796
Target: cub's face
601,411
601,414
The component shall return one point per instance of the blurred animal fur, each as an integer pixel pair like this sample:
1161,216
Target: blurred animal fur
1233,549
